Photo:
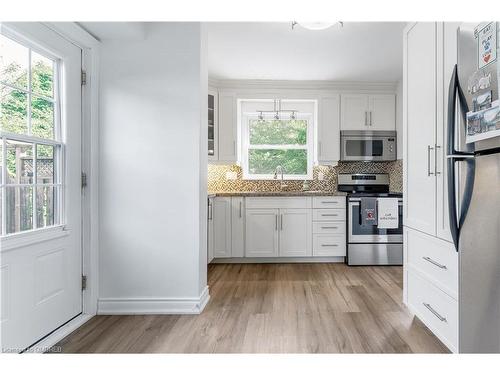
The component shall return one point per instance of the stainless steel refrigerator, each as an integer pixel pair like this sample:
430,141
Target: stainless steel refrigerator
474,184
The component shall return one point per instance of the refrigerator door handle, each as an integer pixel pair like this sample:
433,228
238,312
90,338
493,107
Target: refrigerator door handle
453,156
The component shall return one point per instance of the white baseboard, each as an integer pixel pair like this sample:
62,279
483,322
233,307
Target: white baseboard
140,306
281,260
48,342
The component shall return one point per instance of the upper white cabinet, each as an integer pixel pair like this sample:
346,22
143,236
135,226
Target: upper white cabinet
227,127
213,128
368,112
329,129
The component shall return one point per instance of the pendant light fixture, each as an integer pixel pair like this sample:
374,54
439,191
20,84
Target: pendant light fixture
277,111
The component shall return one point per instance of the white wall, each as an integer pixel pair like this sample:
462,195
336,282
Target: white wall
153,170
399,118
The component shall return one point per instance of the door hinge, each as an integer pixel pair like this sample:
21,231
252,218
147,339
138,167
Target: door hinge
84,180
84,78
84,282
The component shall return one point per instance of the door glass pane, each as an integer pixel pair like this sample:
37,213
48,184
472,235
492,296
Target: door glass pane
13,63
19,162
42,118
265,161
13,110
19,208
377,148
278,132
46,204
45,171
42,75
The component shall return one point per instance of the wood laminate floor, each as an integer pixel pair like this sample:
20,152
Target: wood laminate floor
274,308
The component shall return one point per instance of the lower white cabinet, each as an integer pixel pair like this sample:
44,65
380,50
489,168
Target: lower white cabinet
221,217
210,231
431,284
237,227
262,236
295,233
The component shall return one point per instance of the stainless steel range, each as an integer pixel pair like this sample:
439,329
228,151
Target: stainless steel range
368,241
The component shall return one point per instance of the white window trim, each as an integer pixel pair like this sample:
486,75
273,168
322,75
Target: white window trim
244,145
57,142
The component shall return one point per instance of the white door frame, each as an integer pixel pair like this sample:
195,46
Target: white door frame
90,147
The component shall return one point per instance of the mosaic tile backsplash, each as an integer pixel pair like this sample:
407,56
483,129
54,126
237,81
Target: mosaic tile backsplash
217,181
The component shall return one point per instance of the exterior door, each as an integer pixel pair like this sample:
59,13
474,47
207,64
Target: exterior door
354,112
262,232
295,233
41,259
420,127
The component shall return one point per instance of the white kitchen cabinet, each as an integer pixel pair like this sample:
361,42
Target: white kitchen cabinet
354,112
329,129
227,130
419,118
213,125
368,112
210,231
382,112
237,227
295,237
329,226
221,216
262,232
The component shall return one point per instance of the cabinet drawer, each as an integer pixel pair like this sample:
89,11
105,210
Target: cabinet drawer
435,258
329,245
435,308
328,202
328,227
329,214
278,202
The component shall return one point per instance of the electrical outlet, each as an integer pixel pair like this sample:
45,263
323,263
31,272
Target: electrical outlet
321,176
231,175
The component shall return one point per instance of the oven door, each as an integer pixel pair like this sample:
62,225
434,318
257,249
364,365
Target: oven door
371,233
367,148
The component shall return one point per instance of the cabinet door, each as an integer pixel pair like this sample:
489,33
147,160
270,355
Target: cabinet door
222,227
237,227
261,232
382,114
213,130
420,126
227,127
210,232
354,112
448,30
295,232
329,129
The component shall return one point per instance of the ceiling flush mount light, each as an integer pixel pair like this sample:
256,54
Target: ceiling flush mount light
316,25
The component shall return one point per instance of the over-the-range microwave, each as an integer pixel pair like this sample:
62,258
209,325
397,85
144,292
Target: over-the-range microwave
361,145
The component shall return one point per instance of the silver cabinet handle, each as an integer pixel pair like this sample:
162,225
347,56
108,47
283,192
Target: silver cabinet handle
436,159
435,263
329,215
439,316
366,118
281,221
241,213
429,149
332,202
210,212
329,227
276,222
329,245
370,119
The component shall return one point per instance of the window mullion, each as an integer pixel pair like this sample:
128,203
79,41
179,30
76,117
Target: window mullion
35,177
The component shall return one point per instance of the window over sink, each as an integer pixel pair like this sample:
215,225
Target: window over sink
277,133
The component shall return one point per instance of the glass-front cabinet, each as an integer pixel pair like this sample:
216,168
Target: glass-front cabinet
212,125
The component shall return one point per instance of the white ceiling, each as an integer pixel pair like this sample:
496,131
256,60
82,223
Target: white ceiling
364,51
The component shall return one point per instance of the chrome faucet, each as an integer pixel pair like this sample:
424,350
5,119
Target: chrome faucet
279,169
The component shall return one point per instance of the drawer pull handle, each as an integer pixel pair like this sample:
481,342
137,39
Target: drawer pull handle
329,215
443,267
330,202
429,307
329,227
327,245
